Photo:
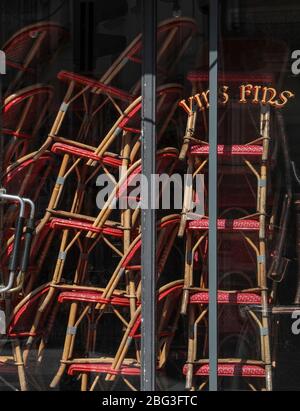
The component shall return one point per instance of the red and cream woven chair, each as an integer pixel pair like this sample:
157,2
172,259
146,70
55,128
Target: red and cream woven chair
123,138
244,185
91,303
28,178
86,231
19,328
24,113
31,49
173,38
87,162
122,367
249,159
88,97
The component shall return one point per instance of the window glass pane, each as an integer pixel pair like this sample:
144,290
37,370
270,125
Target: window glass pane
257,193
257,200
70,129
71,143
178,263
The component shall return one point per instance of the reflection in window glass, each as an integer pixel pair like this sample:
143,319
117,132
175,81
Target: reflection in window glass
70,307
71,143
257,201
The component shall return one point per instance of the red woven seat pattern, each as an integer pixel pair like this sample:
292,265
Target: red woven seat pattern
230,370
226,298
228,151
225,225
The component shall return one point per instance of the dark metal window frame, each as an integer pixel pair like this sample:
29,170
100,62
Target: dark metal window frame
148,352
212,197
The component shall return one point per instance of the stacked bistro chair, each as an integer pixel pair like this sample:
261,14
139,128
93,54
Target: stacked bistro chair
24,116
128,368
85,163
18,329
116,146
21,128
22,120
248,208
27,179
25,111
89,98
87,302
87,231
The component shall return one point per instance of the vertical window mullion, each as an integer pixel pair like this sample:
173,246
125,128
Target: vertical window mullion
148,221
212,195
2,73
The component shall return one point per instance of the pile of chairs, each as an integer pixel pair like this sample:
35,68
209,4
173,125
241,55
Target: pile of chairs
254,201
81,285
85,258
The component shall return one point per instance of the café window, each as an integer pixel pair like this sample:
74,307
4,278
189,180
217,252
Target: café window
149,202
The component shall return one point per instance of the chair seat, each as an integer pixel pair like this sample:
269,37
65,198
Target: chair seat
107,159
85,226
230,370
104,368
92,297
228,151
226,298
225,225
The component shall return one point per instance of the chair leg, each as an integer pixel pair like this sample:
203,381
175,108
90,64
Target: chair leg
84,381
187,269
44,339
202,385
36,323
95,382
129,384
20,365
267,355
191,354
67,345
